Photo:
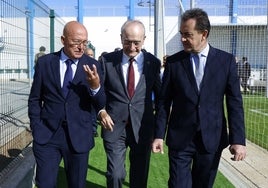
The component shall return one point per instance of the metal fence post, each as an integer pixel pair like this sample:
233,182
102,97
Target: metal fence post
52,33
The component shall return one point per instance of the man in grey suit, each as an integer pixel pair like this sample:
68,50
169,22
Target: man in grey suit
196,81
128,121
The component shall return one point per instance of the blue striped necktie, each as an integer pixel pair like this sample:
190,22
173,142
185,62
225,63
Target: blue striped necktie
199,69
67,77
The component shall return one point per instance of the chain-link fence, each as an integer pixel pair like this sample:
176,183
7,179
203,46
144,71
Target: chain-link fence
238,27
25,25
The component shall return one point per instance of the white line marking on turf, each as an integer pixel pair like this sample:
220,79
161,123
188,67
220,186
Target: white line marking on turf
258,111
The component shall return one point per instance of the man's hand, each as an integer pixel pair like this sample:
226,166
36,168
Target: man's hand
239,152
92,76
106,120
157,146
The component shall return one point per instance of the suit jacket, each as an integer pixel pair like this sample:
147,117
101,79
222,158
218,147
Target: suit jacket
140,108
202,110
48,108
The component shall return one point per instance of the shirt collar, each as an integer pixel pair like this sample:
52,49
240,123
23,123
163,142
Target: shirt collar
204,52
64,57
138,58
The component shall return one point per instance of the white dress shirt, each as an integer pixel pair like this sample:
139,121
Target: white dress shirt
202,58
63,68
137,65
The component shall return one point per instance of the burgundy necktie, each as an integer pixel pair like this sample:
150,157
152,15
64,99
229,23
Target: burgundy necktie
67,77
131,78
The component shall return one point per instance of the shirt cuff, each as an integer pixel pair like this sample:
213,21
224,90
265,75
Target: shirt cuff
100,112
95,91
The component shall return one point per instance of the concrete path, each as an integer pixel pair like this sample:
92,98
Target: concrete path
250,173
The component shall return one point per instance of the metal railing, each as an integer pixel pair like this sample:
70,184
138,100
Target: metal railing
25,25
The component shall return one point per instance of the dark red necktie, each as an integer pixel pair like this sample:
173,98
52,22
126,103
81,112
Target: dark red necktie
131,78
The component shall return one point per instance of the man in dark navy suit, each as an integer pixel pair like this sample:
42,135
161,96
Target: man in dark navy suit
196,81
60,109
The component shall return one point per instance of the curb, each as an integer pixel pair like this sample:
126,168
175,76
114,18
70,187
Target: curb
250,173
19,173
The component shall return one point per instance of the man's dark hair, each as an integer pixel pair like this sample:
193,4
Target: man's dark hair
42,49
201,17
244,59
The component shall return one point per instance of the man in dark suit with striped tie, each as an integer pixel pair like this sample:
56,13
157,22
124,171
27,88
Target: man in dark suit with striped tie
66,84
196,81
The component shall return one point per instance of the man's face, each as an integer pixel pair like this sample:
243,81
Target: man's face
193,41
89,52
75,43
132,40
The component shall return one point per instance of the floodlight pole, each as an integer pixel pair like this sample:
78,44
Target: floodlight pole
80,11
192,4
159,44
131,10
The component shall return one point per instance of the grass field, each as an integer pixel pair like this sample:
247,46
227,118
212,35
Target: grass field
158,174
256,119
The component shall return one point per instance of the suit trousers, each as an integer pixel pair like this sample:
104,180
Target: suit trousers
193,167
139,157
49,156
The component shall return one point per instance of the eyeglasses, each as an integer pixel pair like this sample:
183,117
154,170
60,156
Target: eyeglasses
129,42
78,43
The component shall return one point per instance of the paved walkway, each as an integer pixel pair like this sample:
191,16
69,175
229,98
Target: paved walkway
250,173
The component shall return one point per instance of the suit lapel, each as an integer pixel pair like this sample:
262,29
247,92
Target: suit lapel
79,72
187,64
208,73
55,69
118,68
56,72
145,71
141,85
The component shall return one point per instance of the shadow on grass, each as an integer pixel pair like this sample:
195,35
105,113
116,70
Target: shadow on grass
101,173
126,184
96,170
62,182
